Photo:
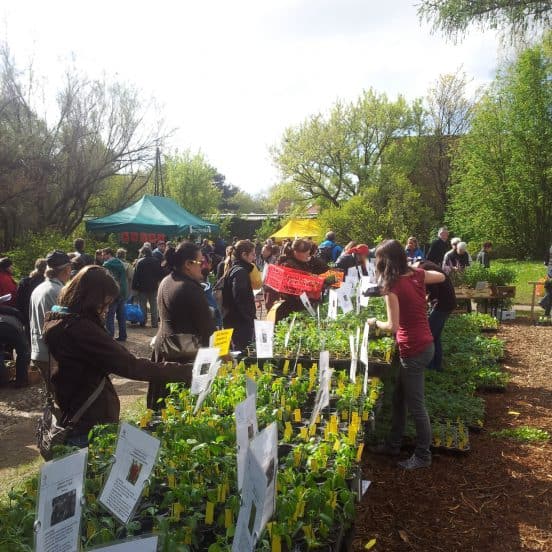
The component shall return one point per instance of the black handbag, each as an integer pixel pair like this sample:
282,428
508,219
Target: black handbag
50,432
179,347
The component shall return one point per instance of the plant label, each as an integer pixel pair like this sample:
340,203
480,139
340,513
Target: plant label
332,305
307,304
222,339
60,494
203,367
322,399
364,345
371,270
354,358
213,371
353,275
250,387
147,543
288,334
135,457
246,429
264,338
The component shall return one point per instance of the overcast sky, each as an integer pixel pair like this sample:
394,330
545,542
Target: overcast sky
232,74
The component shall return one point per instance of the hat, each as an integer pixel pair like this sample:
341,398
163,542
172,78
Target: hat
57,258
361,249
5,263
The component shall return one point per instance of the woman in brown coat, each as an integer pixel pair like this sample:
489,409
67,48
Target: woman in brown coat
85,353
183,308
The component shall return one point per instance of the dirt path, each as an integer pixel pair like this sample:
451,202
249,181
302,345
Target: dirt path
20,409
497,498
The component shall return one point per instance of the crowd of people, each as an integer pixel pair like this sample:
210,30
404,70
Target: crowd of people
67,318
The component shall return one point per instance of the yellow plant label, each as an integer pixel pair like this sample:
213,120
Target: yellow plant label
297,415
314,465
304,433
370,544
360,450
164,414
90,530
365,416
297,457
228,518
337,446
210,513
286,367
312,430
177,509
171,481
222,340
299,370
344,415
276,543
288,432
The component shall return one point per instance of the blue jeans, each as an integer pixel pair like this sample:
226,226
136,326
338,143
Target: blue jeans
117,308
409,395
10,335
437,321
80,441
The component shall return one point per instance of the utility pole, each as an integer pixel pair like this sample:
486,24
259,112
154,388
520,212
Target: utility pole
159,183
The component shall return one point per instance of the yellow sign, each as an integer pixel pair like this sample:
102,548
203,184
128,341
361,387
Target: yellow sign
222,340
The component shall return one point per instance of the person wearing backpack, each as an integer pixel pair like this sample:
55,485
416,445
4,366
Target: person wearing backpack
239,310
328,250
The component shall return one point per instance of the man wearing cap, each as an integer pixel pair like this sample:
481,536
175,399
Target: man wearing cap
43,298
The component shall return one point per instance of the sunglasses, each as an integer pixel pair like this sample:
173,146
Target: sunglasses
197,262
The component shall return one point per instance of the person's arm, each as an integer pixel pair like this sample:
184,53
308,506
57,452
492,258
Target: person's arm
393,312
433,277
97,347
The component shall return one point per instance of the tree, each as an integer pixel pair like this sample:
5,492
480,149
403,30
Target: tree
502,187
513,17
331,158
190,182
228,192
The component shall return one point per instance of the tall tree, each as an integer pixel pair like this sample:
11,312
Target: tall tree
503,174
514,18
190,181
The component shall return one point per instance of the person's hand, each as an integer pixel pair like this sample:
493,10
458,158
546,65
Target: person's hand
371,321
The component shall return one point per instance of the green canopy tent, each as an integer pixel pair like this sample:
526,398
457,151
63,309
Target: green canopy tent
153,214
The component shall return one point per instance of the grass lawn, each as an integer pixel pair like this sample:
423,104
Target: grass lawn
527,271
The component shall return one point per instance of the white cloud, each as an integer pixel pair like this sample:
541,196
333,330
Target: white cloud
233,74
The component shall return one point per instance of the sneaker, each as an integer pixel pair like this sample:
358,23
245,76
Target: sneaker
385,450
414,462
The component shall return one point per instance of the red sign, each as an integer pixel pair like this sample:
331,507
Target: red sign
124,237
134,237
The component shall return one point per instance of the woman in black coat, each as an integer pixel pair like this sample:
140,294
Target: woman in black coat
237,295
182,306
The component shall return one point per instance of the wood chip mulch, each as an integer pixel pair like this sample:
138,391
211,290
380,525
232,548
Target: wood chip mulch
496,498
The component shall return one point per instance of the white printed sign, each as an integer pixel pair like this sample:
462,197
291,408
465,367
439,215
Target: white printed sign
60,503
250,387
353,275
364,345
246,429
307,304
213,371
264,338
204,364
353,345
135,458
344,297
288,334
322,399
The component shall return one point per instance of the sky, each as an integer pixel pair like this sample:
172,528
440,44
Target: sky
231,75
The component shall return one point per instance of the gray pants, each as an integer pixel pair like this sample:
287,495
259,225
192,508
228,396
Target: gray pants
151,298
409,394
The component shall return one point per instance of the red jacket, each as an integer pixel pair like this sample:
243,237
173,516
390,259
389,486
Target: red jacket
8,285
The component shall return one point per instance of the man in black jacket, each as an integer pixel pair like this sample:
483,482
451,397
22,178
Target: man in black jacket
439,247
147,275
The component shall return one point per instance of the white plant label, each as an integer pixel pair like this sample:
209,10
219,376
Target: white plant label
364,345
139,544
288,334
354,358
135,458
60,503
353,275
307,304
246,429
344,297
213,371
204,363
250,387
264,338
332,304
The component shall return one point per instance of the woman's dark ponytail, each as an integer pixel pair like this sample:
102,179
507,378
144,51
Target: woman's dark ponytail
175,258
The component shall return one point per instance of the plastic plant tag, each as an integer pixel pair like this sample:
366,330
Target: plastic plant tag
354,360
60,501
344,297
135,457
307,304
264,338
222,339
297,415
213,371
290,330
209,513
364,345
332,304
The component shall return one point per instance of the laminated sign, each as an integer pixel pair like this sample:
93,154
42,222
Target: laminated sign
246,429
203,370
60,499
222,339
264,338
135,457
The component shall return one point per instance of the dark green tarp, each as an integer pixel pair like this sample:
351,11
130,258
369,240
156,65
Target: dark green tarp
153,214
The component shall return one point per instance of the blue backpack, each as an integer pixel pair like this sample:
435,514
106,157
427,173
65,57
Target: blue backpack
134,314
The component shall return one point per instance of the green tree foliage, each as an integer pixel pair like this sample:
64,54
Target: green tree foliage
334,157
513,17
503,173
190,182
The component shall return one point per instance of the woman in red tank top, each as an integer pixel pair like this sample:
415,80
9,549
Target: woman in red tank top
405,297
